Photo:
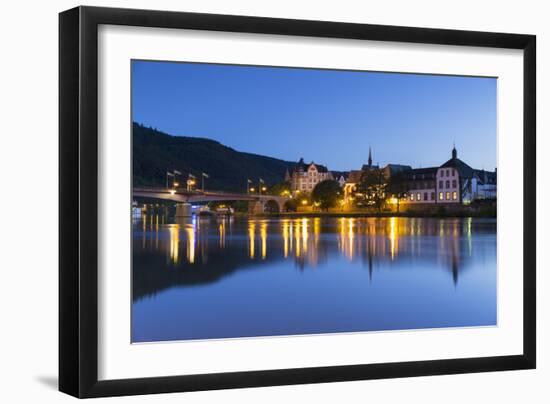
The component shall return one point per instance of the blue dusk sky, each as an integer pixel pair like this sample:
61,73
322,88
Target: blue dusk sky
328,116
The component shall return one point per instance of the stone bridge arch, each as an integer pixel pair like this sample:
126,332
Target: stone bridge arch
267,204
272,206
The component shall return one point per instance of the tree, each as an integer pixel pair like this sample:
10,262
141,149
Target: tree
281,188
326,193
291,205
373,187
302,198
397,188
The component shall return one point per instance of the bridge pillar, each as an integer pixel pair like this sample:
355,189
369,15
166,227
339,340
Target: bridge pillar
183,210
255,207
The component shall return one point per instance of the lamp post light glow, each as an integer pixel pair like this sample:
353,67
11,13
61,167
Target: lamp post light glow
203,176
175,178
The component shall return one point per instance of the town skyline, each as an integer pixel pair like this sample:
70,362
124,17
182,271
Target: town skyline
292,113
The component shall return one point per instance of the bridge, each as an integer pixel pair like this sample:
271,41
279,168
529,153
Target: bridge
258,203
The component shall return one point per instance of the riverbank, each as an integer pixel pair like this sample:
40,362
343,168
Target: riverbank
458,211
363,214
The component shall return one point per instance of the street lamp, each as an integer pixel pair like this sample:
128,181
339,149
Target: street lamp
190,182
168,175
204,175
176,173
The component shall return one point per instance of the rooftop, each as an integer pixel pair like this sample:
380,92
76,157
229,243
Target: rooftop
304,166
464,170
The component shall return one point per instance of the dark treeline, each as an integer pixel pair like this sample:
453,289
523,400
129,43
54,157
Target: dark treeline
155,152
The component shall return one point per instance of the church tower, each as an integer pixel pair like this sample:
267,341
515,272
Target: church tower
370,158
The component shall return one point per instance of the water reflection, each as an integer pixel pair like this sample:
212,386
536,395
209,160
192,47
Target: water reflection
277,274
309,241
175,243
356,237
251,238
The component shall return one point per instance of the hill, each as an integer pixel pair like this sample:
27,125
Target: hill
155,152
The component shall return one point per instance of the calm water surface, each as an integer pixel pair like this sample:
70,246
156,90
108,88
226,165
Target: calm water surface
240,277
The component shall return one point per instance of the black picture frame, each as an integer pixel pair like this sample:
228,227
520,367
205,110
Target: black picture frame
78,201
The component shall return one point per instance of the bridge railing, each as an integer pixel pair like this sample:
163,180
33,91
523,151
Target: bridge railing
163,190
183,191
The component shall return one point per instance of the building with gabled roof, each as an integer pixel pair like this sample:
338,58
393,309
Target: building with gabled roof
457,182
341,180
420,184
304,177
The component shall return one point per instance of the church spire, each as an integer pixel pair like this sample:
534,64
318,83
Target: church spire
370,158
454,151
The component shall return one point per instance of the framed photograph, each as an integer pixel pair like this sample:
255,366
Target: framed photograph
251,201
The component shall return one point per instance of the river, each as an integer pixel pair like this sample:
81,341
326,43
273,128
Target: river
222,277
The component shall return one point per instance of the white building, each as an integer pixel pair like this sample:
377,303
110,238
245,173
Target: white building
451,183
341,180
305,176
420,185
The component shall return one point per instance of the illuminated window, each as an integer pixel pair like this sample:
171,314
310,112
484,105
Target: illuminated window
418,196
447,195
441,196
412,197
454,196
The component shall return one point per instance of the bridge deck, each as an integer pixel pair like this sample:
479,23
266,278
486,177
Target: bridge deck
183,195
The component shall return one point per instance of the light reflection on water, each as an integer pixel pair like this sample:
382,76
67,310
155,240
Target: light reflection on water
197,278
301,237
